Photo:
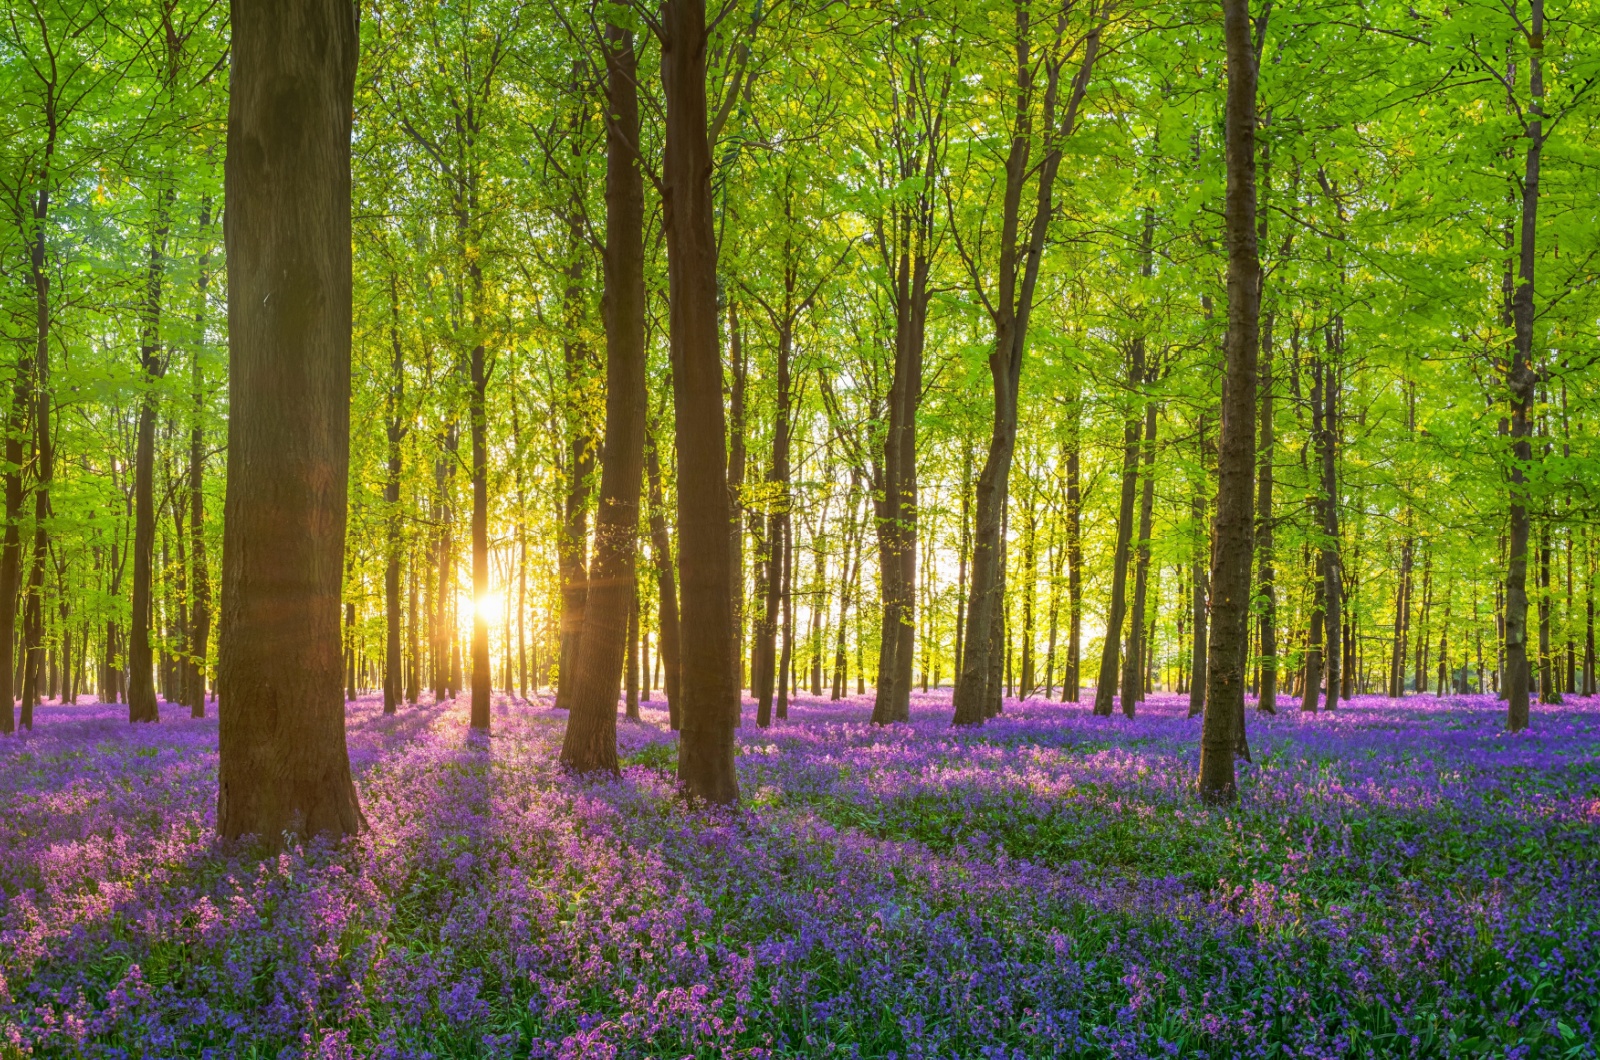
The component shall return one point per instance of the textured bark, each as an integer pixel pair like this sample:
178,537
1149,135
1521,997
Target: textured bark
1070,681
392,679
1116,612
575,524
1222,732
666,587
1332,561
283,764
482,675
1267,631
590,744
1017,273
141,679
1521,382
765,677
710,703
1133,670
201,579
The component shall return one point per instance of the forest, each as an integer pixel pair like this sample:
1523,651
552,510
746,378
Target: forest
791,528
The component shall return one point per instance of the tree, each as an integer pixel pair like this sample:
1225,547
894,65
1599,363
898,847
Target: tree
591,738
710,703
1222,730
283,764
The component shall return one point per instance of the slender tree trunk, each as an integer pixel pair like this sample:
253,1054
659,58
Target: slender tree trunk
976,694
201,579
283,762
575,525
777,529
737,457
392,680
482,676
1199,577
666,588
1332,561
1116,613
1222,733
1138,641
1520,382
612,605
141,686
1267,633
1070,681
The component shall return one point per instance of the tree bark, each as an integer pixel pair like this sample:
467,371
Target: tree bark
141,682
1332,563
590,744
201,579
392,679
1116,613
1133,669
710,703
283,763
1267,630
1222,732
666,587
1520,383
1017,275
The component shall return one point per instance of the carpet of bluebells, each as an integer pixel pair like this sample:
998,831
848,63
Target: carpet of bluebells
1401,879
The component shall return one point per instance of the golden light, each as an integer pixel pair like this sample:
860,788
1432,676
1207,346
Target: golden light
488,607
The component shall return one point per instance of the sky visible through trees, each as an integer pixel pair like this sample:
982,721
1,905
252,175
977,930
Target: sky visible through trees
614,406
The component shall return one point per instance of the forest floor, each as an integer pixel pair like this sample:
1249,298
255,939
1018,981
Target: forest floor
1401,879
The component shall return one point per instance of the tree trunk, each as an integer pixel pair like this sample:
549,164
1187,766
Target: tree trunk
1138,641
666,587
766,676
1070,682
710,703
200,614
1016,278
482,676
1199,576
1267,630
141,685
1332,563
392,680
590,744
1520,383
1116,613
1222,733
737,458
283,765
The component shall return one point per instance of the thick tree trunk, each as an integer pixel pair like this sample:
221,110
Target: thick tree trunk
590,744
1222,732
283,763
710,703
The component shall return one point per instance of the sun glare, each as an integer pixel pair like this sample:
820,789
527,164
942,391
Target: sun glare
489,606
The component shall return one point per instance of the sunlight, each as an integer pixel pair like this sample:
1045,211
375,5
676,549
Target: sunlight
489,606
